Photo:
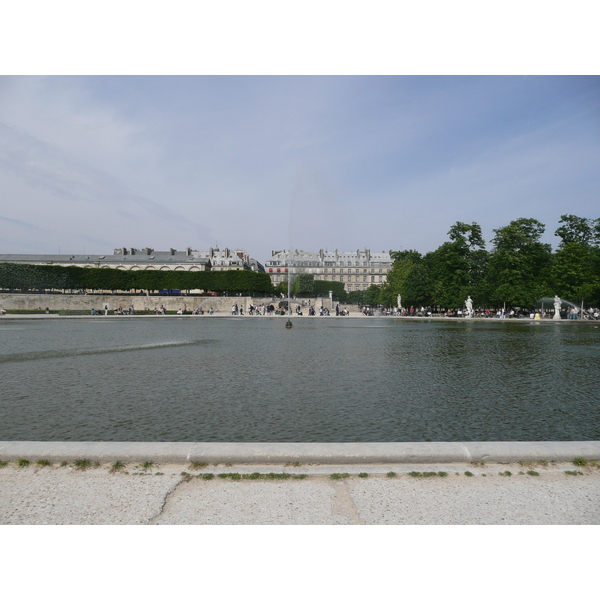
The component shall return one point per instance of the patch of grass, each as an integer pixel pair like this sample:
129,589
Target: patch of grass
478,464
196,466
206,476
335,476
580,462
533,473
573,473
526,463
280,476
159,473
442,474
426,474
223,475
117,466
23,462
82,464
64,463
3,463
542,463
468,474
363,475
43,463
483,475
235,476
505,474
302,476
186,476
252,476
391,474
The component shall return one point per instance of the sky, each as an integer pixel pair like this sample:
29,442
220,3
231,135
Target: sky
262,163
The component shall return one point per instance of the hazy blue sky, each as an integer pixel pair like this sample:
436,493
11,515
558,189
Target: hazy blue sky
266,163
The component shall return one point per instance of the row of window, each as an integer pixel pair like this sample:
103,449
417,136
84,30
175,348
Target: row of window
278,263
333,270
371,278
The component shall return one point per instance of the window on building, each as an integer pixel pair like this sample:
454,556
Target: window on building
333,270
381,278
349,288
325,270
364,277
373,278
341,278
333,278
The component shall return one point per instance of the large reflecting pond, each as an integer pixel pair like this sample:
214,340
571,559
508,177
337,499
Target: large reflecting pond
326,380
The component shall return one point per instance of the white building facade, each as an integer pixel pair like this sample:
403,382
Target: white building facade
357,270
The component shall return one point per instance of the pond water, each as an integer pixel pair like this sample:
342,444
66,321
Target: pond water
249,379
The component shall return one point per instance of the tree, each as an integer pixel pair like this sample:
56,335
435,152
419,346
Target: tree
457,267
519,264
575,269
304,284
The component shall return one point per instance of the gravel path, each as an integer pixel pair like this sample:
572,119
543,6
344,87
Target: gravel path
54,495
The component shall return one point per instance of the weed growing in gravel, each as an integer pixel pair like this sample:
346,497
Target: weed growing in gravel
43,463
117,466
478,464
363,475
573,473
3,464
426,474
542,463
196,466
442,474
159,473
391,474
468,474
533,473
339,475
64,463
580,462
81,464
23,462
252,476
206,476
505,474
186,476
229,464
280,476
526,463
292,464
223,475
147,466
302,476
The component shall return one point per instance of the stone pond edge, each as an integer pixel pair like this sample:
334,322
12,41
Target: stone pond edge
312,453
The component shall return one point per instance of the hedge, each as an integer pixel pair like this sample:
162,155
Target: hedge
52,277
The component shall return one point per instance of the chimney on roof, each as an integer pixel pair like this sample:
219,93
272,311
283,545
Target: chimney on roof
172,251
188,251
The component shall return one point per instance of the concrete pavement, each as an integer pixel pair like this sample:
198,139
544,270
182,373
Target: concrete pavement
175,494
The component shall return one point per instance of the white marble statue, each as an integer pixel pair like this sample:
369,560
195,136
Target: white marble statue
399,301
469,305
557,304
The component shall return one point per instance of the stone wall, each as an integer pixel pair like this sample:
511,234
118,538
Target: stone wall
86,302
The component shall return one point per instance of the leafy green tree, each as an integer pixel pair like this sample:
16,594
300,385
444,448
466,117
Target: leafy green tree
576,266
519,264
458,267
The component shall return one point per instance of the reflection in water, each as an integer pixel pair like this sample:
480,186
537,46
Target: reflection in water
328,380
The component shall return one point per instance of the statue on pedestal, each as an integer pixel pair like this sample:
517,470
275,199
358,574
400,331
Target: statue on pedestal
557,305
399,301
469,305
